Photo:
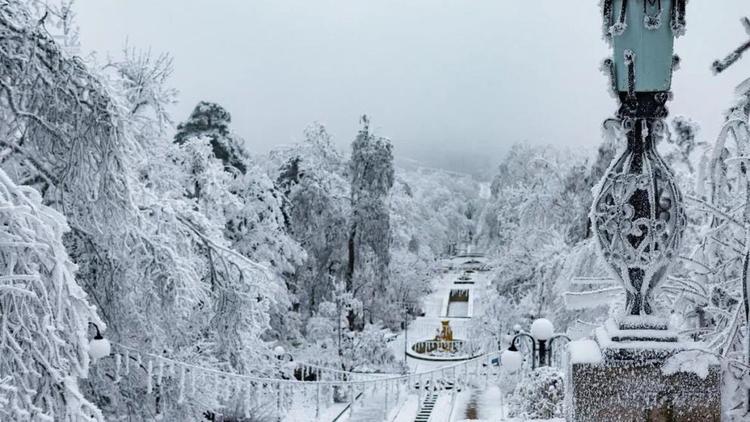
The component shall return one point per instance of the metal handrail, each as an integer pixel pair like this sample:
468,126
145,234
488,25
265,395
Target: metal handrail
348,405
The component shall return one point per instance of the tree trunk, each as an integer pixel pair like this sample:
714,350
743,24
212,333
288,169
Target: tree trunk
745,275
351,316
350,264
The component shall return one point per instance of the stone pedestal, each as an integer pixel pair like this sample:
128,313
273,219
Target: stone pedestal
623,381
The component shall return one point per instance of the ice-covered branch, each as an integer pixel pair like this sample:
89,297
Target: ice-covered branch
45,314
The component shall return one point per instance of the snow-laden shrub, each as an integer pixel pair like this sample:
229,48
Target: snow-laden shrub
539,395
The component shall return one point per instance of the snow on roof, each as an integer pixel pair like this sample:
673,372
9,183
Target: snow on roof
584,351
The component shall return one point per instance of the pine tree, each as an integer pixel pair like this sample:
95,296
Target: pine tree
212,121
372,176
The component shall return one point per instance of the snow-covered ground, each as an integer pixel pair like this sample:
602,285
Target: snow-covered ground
458,309
302,411
473,405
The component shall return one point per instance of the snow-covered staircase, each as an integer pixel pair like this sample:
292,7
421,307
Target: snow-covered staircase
425,411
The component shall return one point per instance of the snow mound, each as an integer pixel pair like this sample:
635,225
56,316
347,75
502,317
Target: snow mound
584,351
698,362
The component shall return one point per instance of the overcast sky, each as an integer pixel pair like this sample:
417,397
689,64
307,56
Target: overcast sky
452,82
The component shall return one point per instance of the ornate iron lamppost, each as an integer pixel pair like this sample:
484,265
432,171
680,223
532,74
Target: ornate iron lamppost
637,215
638,221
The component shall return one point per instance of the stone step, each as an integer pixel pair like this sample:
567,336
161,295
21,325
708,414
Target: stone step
425,411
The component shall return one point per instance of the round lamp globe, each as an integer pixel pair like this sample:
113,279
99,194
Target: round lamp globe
99,348
542,329
511,360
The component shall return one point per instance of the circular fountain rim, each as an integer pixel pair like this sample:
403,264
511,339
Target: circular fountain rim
413,354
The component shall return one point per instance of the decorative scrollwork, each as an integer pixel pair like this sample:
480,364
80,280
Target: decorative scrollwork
678,17
652,14
638,216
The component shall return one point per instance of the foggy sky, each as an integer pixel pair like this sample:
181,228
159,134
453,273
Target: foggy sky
452,82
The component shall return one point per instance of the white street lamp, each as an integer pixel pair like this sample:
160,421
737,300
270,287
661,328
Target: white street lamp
542,329
541,336
279,351
99,346
511,359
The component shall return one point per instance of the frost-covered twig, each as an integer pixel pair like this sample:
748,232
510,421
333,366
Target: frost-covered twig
712,208
719,66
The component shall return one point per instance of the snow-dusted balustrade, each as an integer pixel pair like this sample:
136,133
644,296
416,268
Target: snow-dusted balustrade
258,394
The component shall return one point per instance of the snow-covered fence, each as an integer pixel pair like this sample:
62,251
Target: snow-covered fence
330,385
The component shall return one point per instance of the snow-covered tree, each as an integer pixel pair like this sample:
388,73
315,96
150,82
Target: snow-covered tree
710,288
537,223
157,262
371,172
44,314
212,121
312,176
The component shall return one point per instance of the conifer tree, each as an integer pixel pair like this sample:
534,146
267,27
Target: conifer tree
212,121
372,176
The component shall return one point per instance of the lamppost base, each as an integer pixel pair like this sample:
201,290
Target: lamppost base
641,378
642,322
638,344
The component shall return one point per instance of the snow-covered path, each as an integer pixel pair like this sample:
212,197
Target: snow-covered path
477,396
479,405
436,309
466,288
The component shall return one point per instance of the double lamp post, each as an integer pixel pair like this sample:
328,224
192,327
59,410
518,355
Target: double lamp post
542,336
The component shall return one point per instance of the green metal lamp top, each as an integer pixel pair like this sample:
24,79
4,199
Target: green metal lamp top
642,33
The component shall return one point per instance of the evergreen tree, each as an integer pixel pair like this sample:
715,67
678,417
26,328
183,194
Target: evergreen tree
212,121
372,176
